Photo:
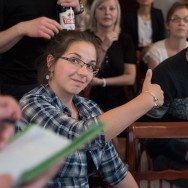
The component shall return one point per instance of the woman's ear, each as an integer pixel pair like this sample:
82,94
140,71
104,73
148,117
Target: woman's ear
50,60
167,26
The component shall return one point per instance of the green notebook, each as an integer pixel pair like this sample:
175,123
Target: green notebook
36,149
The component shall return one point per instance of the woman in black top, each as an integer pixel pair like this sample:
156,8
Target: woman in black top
118,64
118,56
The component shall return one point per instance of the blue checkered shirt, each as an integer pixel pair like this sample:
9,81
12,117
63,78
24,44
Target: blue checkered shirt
43,107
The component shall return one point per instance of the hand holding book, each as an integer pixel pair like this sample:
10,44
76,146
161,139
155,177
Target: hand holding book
36,149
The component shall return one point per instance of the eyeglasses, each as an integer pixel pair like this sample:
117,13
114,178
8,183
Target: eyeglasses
177,19
79,63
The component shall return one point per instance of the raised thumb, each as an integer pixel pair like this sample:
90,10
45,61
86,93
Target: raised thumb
148,77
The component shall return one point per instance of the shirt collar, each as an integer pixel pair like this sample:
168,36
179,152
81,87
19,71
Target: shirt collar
80,102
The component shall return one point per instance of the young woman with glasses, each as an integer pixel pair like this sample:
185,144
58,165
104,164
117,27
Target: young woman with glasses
70,63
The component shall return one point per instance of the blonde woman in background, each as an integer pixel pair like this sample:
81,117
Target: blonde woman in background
118,56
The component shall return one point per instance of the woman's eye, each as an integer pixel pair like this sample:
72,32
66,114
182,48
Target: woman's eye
74,60
91,67
101,8
112,8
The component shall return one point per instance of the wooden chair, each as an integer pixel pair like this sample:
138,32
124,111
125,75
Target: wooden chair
139,130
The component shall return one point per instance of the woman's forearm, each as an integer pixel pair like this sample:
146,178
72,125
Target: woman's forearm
9,37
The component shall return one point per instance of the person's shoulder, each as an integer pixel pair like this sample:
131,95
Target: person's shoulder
130,14
157,14
85,101
93,34
179,57
156,10
126,40
159,44
37,92
172,62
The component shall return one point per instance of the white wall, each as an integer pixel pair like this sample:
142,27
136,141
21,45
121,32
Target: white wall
164,5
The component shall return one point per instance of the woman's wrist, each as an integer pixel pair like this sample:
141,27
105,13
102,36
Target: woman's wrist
20,29
104,82
155,99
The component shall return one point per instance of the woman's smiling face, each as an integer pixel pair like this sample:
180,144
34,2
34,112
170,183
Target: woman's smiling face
72,78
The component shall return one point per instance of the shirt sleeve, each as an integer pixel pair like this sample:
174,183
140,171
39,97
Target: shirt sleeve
38,109
156,52
112,167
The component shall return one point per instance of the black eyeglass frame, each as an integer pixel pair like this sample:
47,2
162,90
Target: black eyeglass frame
177,19
81,63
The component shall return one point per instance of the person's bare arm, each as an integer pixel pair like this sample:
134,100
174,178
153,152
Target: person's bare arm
127,182
37,28
118,119
151,63
127,78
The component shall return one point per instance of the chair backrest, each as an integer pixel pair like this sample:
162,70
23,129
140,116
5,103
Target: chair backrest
139,130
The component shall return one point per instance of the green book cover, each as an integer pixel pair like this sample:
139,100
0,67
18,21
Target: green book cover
19,157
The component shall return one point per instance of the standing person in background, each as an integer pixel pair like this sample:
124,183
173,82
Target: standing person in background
69,64
146,26
118,68
25,29
177,26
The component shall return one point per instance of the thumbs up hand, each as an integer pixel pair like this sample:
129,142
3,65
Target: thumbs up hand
153,89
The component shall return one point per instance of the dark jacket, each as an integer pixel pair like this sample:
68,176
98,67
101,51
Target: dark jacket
130,25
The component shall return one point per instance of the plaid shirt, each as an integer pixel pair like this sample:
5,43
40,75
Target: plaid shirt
43,107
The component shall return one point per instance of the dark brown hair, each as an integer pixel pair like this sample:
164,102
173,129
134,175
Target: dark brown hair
174,7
